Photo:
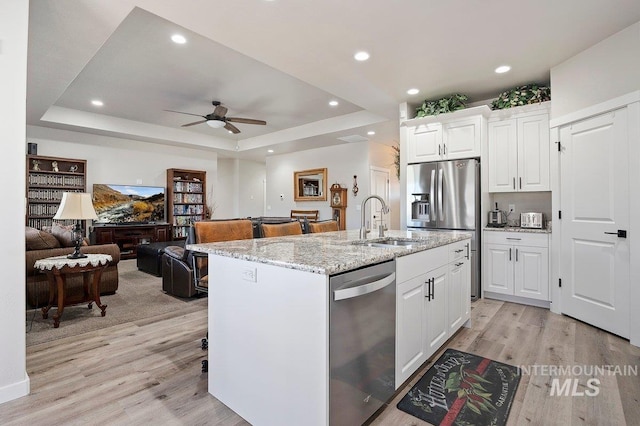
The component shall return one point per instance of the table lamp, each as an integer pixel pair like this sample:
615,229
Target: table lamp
76,206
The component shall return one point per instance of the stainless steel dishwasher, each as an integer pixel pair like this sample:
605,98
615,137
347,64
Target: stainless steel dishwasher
362,329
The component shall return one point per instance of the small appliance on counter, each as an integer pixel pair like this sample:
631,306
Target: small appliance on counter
497,218
531,220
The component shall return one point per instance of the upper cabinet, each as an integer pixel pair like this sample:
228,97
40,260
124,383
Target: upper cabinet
459,134
518,149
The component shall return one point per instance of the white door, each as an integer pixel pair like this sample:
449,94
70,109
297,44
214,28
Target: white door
462,138
498,271
379,186
410,327
437,326
533,153
594,198
455,309
531,272
503,156
425,143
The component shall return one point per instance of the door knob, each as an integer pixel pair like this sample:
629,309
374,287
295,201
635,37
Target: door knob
622,233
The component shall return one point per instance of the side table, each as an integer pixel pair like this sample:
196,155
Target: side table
58,267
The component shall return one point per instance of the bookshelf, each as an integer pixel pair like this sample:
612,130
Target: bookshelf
186,199
47,179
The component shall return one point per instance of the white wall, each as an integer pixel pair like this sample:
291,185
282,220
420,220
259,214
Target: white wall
606,70
342,163
239,191
122,161
14,381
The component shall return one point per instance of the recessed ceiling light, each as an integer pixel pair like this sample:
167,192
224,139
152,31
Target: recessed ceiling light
502,69
361,56
413,91
333,103
179,39
371,133
97,102
270,151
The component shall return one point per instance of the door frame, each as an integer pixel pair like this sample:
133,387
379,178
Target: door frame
632,102
387,216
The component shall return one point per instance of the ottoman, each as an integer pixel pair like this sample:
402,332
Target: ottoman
149,256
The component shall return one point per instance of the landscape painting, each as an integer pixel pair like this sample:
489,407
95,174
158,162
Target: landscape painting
128,203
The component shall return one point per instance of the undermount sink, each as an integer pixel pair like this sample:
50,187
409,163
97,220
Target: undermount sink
388,242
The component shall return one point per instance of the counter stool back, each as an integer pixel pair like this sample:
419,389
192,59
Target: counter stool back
281,229
324,226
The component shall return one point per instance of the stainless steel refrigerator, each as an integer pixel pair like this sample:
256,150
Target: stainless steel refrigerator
445,195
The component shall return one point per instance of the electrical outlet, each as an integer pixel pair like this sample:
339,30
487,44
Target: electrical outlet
512,207
250,274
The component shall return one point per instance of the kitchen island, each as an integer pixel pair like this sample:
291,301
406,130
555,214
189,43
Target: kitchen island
269,314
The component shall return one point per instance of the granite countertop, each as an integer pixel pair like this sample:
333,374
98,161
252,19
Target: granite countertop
518,229
328,252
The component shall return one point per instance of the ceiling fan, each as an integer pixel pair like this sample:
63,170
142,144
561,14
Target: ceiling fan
217,119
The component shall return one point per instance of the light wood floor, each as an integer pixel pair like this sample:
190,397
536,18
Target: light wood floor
148,372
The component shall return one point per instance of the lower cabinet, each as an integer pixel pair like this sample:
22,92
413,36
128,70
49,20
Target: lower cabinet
516,264
433,300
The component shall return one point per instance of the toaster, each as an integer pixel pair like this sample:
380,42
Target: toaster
531,220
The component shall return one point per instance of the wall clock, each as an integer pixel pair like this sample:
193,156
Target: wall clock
338,196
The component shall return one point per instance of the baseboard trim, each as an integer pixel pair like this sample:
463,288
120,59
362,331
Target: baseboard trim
15,390
517,299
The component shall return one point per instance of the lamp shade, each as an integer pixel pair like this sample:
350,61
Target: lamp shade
216,124
76,205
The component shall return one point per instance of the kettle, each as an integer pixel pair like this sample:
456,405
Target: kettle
497,218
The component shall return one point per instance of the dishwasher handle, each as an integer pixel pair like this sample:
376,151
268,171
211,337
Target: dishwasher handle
355,290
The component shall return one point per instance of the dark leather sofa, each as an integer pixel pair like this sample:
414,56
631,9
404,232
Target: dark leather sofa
177,272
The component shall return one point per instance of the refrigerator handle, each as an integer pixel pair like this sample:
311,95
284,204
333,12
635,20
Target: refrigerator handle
431,206
440,215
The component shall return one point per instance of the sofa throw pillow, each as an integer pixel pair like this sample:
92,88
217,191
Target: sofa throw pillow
64,234
40,240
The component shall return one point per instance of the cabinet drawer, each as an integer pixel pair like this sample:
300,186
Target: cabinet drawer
516,238
415,264
458,250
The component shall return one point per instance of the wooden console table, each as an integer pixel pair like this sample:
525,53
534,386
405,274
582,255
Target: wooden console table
128,237
58,267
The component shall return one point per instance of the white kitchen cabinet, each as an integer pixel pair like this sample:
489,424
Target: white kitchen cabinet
437,309
456,135
432,302
518,151
516,264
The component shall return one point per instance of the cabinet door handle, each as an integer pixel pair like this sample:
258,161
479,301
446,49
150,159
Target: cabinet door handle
514,183
468,250
520,179
459,251
439,150
509,254
428,283
433,289
516,255
459,264
445,149
515,239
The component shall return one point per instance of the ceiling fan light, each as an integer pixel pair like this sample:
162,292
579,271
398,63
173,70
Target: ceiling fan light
216,124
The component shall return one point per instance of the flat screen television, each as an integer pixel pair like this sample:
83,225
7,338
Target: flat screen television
122,204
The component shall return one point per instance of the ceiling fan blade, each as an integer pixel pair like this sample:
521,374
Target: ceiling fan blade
220,111
232,128
194,123
187,113
245,120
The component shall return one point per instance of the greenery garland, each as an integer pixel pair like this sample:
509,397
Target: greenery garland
522,95
440,106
